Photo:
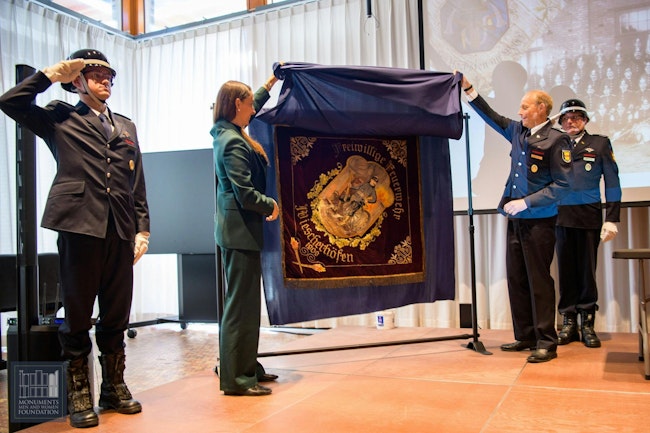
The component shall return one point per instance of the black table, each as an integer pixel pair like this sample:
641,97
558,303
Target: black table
640,254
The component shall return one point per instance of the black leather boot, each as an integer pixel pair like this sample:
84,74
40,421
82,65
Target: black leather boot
569,331
589,337
114,393
80,396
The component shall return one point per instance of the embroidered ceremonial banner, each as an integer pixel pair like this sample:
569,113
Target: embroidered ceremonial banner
351,209
361,102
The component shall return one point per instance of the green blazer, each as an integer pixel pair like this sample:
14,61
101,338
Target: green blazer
241,184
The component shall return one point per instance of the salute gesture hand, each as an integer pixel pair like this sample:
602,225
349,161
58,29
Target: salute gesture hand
65,71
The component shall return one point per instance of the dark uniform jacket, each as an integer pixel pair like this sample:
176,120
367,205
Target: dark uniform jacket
539,169
241,184
593,158
94,175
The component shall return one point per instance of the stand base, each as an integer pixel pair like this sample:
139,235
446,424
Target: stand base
477,346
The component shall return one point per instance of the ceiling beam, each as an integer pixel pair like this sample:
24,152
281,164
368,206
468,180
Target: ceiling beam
252,4
133,17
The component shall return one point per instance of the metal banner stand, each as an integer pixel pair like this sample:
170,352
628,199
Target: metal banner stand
474,344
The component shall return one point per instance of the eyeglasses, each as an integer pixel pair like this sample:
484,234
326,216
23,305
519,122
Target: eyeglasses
99,76
573,118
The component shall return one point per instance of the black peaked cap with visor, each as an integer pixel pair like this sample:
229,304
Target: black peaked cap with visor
91,58
573,106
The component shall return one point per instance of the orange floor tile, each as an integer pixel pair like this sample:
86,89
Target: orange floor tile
432,386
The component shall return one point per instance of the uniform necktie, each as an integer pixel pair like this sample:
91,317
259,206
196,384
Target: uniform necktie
108,129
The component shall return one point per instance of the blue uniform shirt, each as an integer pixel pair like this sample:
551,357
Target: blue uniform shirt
593,159
540,165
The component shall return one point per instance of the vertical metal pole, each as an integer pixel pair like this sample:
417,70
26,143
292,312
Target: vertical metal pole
475,345
421,33
27,254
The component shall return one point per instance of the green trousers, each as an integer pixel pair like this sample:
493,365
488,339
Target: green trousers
239,329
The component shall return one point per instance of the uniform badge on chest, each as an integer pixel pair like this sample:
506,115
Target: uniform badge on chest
589,157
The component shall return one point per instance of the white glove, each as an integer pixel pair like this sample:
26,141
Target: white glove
141,246
65,71
515,206
608,232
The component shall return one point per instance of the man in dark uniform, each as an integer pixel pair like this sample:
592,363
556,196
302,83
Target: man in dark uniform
539,177
97,204
580,227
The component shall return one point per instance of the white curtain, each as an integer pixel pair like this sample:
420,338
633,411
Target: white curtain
33,35
167,84
180,74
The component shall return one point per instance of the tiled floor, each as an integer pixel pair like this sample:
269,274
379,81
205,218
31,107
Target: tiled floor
435,386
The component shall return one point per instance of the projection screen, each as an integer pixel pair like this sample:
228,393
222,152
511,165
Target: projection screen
595,50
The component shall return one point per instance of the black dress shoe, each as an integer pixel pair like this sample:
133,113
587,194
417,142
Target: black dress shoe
518,346
267,377
253,391
542,355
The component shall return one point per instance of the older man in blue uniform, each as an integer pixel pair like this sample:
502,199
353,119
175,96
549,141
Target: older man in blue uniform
580,227
540,167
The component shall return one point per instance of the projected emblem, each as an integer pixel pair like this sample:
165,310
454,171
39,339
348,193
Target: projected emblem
474,26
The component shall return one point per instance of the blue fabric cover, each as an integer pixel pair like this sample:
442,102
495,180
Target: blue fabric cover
367,101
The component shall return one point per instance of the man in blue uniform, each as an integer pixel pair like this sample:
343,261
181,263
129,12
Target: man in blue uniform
98,206
540,168
580,227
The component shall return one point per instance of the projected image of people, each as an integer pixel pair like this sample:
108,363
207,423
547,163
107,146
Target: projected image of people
562,51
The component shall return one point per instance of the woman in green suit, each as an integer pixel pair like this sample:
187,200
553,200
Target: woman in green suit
242,207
